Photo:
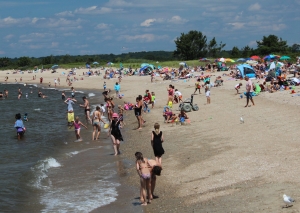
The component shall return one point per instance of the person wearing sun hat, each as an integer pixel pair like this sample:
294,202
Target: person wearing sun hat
115,133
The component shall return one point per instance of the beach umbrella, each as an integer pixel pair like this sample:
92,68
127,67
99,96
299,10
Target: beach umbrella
229,60
285,57
55,66
182,63
222,59
242,59
95,62
144,64
255,57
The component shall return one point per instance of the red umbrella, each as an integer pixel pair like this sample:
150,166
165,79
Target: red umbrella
255,57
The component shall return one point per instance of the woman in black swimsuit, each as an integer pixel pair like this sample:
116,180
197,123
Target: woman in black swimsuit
115,133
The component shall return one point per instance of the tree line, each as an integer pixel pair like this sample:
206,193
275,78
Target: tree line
189,46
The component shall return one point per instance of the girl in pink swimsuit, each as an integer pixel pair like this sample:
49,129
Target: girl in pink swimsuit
76,125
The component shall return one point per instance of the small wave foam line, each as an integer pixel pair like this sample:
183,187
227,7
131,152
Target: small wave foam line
91,94
40,171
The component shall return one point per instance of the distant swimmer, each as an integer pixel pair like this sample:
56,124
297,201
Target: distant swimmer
25,118
76,125
73,92
5,93
19,126
19,93
63,95
1,95
26,95
40,94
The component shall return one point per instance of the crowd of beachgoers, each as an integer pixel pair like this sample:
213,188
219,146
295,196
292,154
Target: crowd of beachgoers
201,76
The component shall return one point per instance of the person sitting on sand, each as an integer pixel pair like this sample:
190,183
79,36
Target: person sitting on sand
143,171
169,116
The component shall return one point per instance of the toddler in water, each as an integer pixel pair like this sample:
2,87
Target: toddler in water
25,118
145,176
76,125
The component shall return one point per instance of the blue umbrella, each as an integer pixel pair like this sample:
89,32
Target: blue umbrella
143,68
55,66
242,59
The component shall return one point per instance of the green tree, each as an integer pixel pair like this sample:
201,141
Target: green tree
24,61
246,51
191,45
235,52
271,44
48,60
295,48
4,62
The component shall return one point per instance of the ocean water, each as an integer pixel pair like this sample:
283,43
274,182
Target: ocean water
46,171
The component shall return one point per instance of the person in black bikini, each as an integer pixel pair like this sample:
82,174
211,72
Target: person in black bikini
86,107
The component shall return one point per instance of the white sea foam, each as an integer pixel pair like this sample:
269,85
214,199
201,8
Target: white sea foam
82,198
80,92
91,94
71,154
38,109
40,171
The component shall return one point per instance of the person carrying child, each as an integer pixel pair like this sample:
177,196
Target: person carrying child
143,171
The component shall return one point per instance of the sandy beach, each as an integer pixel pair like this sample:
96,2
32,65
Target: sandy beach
215,163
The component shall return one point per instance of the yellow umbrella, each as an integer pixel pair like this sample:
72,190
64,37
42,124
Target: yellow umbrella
229,60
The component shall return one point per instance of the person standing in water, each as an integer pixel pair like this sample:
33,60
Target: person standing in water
20,93
70,102
76,125
63,95
115,133
87,109
19,125
96,118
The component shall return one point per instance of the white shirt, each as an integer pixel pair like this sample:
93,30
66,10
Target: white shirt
102,109
177,93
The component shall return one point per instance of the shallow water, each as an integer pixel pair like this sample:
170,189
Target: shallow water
46,171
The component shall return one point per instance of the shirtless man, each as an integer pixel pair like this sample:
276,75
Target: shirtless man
87,109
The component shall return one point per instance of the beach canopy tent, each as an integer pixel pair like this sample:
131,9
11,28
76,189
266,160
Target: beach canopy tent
95,63
151,66
246,70
145,69
183,64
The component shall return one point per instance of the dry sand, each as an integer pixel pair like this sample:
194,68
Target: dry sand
215,164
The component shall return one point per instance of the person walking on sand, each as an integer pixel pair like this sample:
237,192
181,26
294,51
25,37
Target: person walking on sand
76,125
249,90
96,118
143,171
87,109
156,142
115,133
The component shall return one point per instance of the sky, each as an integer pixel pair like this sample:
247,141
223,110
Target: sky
37,28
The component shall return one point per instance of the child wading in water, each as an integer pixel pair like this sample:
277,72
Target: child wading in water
145,177
156,141
76,125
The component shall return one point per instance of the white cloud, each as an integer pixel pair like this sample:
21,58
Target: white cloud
119,3
177,20
9,21
54,44
148,22
237,25
101,26
252,43
254,7
65,14
9,36
96,10
142,37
